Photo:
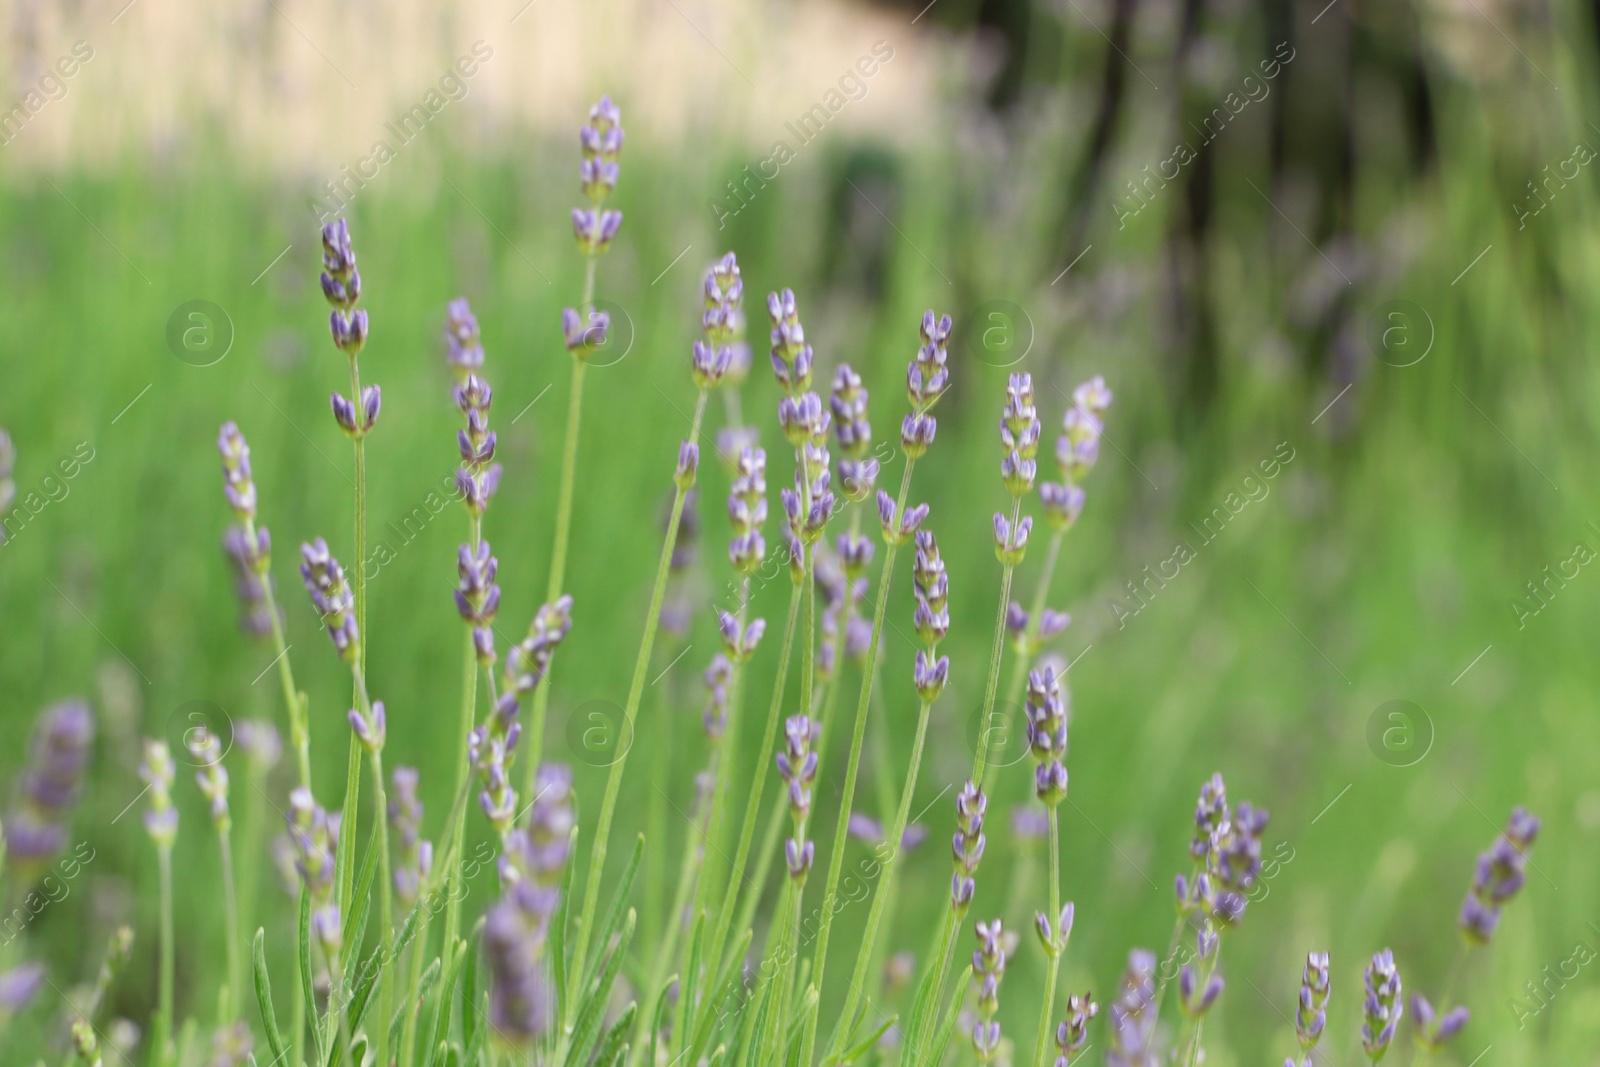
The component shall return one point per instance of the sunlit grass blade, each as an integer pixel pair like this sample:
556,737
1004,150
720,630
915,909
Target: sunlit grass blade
269,1018
591,1011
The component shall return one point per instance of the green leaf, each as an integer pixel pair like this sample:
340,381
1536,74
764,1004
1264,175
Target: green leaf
941,1040
730,977
863,1047
591,1012
306,992
660,1020
691,982
480,1034
441,1017
614,1044
618,902
269,1018
469,989
355,923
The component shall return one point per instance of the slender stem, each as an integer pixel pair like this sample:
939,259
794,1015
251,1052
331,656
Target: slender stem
161,1045
419,953
852,768
641,668
233,995
885,890
352,796
386,907
717,821
1053,967
464,727
534,737
996,653
1020,664
753,802
347,828
1163,978
299,733
359,584
764,860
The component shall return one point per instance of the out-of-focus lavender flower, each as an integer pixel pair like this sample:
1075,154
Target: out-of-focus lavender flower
1383,1007
261,744
718,676
791,357
238,484
520,1007
1076,451
864,827
1046,709
212,777
601,141
36,826
255,616
1073,1032
858,638
1019,436
1433,1031
314,836
1500,873
1311,1016
157,770
331,596
19,986
527,661
341,284
413,857
463,348
1133,1014
1030,823
232,1045
538,855
723,320
1226,850
1028,640
740,641
988,968
1198,983
967,845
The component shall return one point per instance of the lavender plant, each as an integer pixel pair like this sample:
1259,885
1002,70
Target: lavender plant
546,976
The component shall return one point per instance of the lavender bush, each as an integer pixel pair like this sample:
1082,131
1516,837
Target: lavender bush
552,972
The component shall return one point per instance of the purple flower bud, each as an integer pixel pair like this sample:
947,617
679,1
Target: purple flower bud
799,857
917,431
584,339
688,464
349,331
19,986
930,678
1383,1007
1062,504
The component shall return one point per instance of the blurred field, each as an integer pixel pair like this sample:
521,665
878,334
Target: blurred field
1383,562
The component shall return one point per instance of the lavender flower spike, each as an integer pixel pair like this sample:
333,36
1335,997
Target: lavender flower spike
413,856
1073,1033
212,777
463,347
314,836
1133,1015
1383,1007
341,284
988,968
331,596
967,845
1433,1032
1019,436
601,141
747,510
1500,873
157,771
1312,1014
36,826
1046,709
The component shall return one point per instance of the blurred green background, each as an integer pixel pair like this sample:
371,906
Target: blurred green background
1369,268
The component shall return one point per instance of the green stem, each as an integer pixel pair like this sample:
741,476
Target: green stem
852,768
464,727
753,803
1053,967
894,835
232,996
534,737
419,953
359,583
716,822
299,733
641,668
996,654
386,908
161,1043
1021,663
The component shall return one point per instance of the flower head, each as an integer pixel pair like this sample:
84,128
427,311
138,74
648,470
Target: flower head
1500,873
157,770
36,825
331,596
1383,1007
